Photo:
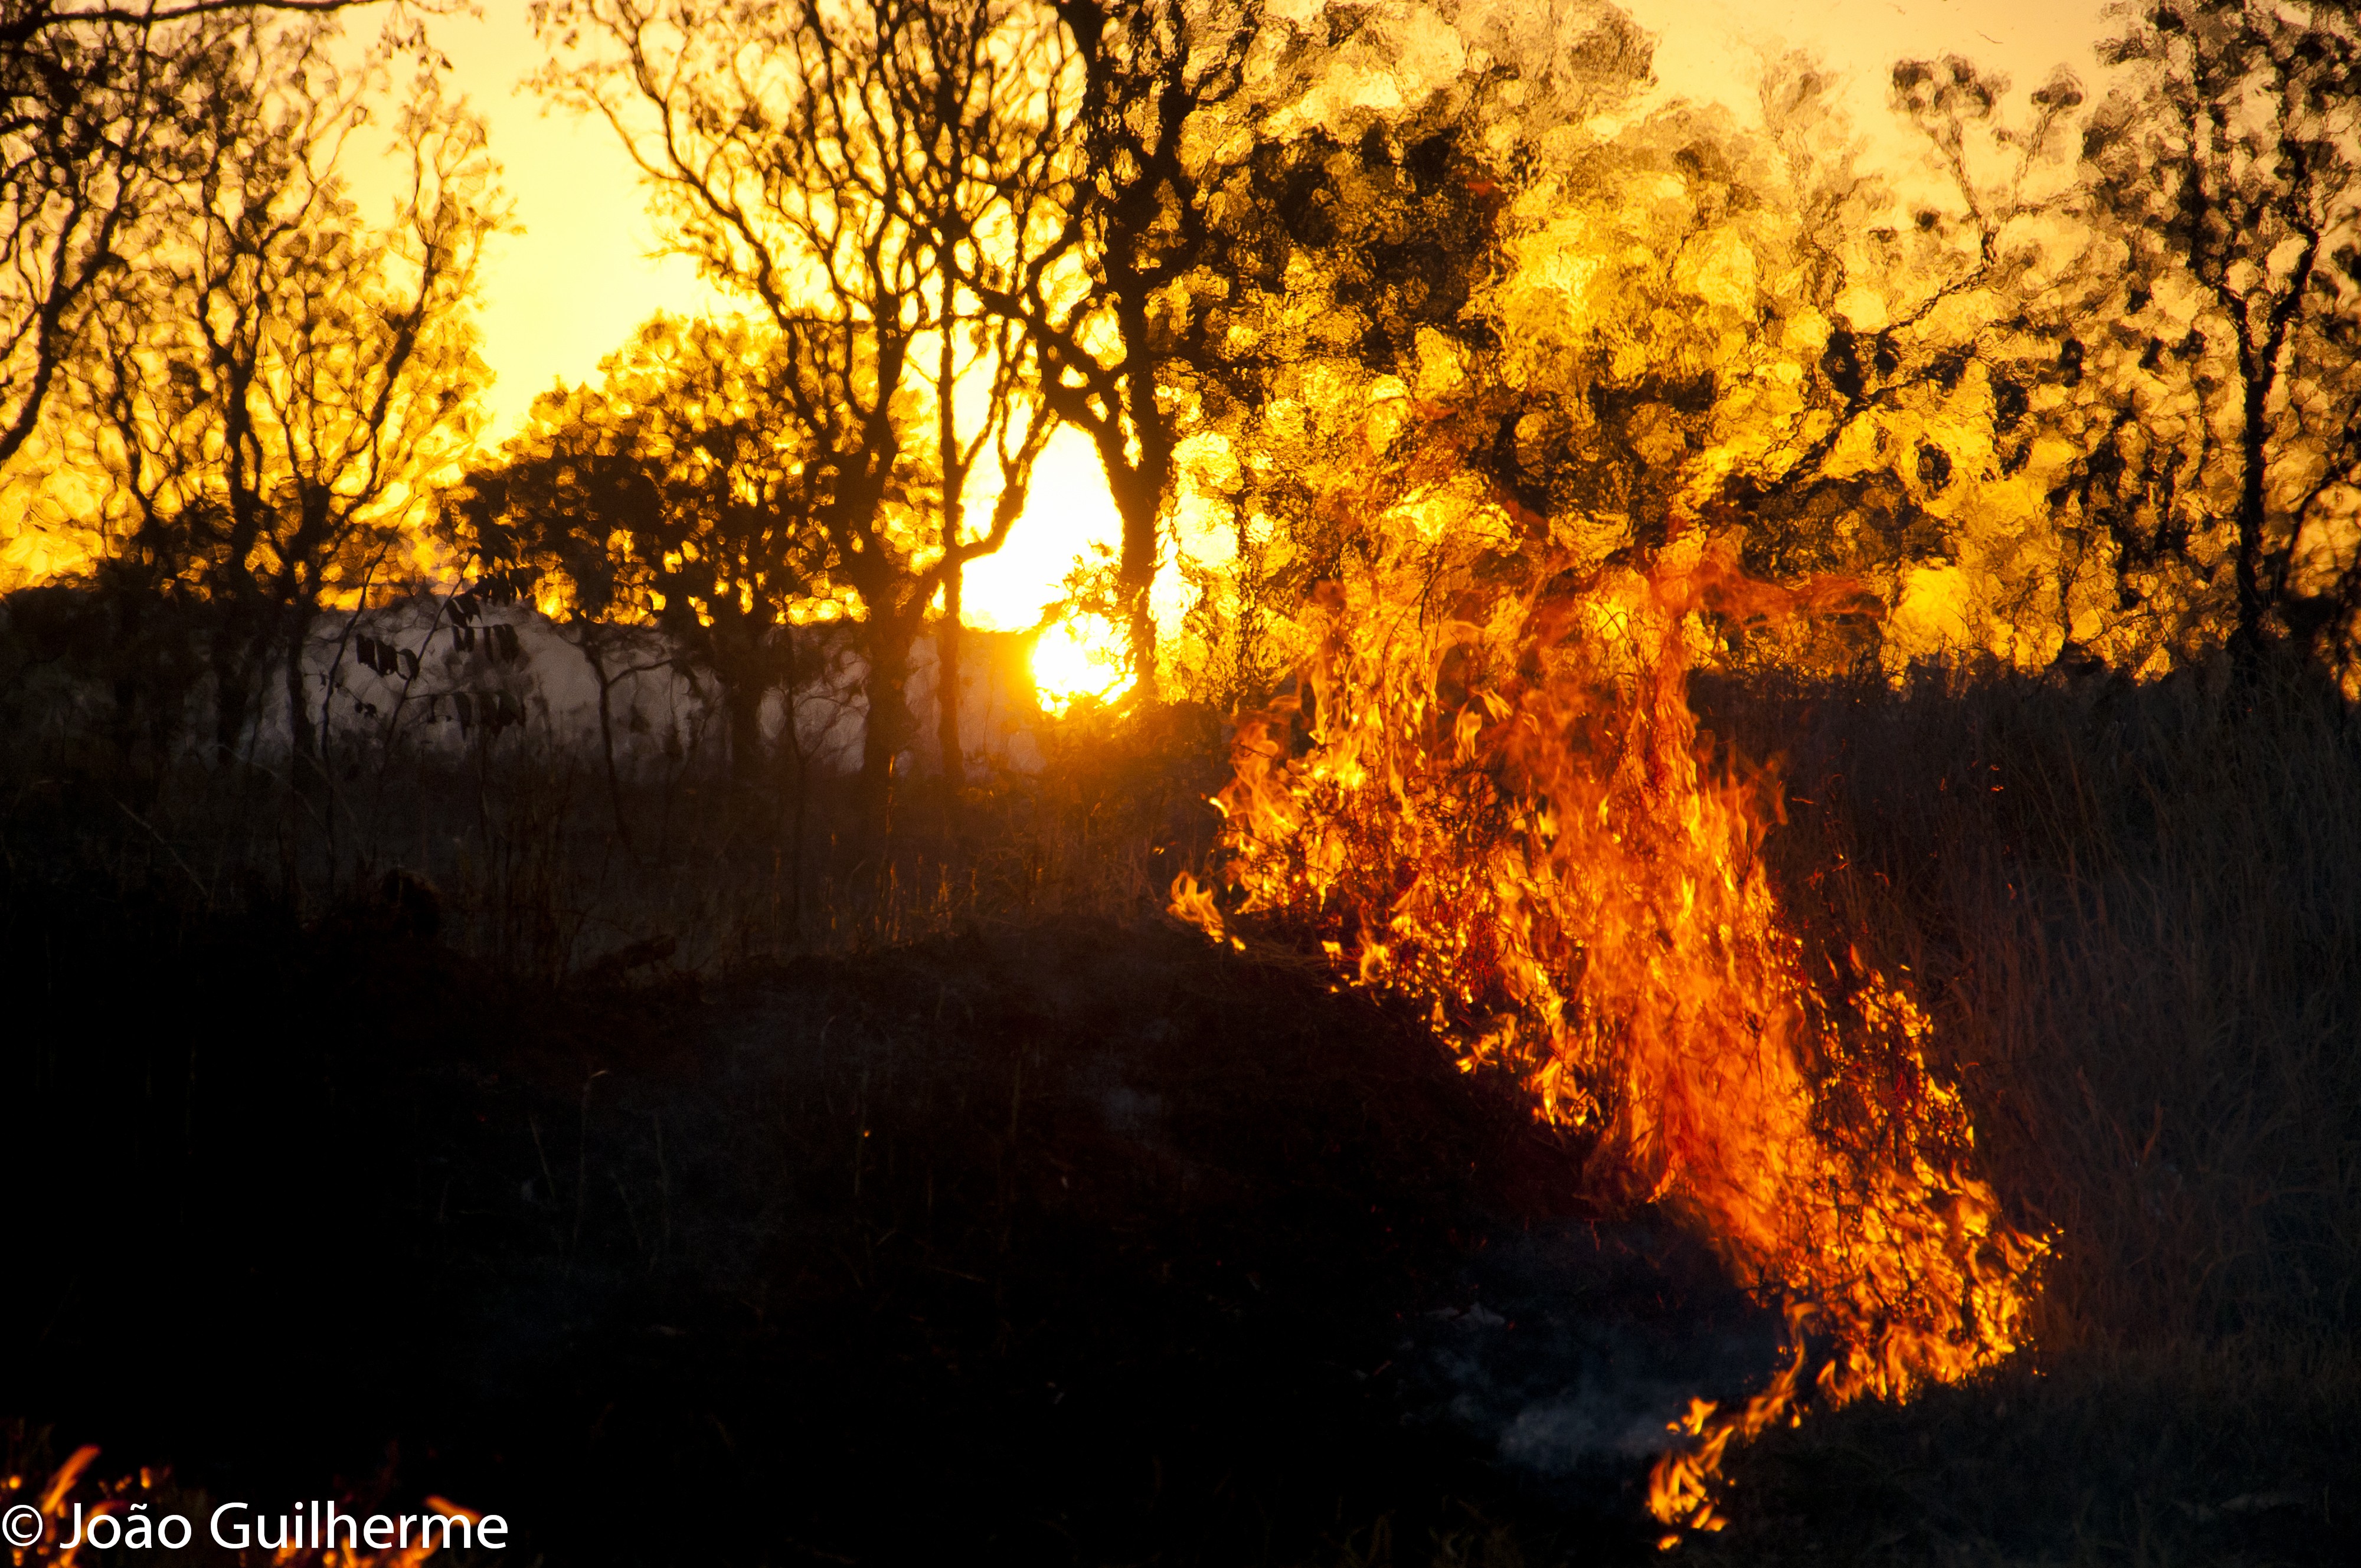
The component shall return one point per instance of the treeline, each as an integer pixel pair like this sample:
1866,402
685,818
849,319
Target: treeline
2080,384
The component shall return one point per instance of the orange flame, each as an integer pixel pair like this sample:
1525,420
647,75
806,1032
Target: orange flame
1497,803
113,1497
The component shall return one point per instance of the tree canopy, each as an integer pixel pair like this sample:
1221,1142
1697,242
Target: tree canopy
267,386
2074,379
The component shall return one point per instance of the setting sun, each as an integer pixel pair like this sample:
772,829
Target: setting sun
1067,511
1079,657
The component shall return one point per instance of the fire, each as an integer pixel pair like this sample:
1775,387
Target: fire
1495,800
140,1513
1080,657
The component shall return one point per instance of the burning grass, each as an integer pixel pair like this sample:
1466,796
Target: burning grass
2118,920
2132,910
1495,802
80,1512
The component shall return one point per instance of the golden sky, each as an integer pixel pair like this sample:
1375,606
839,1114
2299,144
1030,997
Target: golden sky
1705,47
585,270
583,273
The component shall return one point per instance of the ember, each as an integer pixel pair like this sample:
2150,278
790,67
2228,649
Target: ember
1496,801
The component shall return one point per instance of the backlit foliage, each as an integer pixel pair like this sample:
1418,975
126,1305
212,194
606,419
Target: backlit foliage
264,397
1991,379
676,493
1629,318
2218,356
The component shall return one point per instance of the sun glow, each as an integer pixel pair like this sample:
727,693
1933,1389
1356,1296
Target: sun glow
1067,512
1079,657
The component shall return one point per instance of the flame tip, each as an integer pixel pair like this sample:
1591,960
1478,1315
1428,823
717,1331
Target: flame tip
1510,814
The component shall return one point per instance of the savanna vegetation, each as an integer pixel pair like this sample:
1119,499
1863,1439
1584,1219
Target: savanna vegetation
1783,712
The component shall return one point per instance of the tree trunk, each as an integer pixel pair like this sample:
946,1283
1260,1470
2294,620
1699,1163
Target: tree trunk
890,724
742,700
299,711
800,781
593,655
238,654
229,700
947,690
947,636
1138,499
126,609
2246,641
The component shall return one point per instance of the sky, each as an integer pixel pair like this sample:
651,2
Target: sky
588,266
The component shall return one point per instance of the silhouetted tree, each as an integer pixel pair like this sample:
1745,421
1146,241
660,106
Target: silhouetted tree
2226,184
102,111
1100,302
847,170
984,91
268,391
677,493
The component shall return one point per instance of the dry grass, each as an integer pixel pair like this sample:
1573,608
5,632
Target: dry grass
541,871
2137,912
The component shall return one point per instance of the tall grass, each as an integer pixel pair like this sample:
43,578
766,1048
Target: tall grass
2136,912
533,861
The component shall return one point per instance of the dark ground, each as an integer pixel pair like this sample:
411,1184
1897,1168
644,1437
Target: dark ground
1063,1245
1080,1241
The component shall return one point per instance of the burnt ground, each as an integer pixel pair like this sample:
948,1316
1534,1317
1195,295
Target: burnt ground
1070,1244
